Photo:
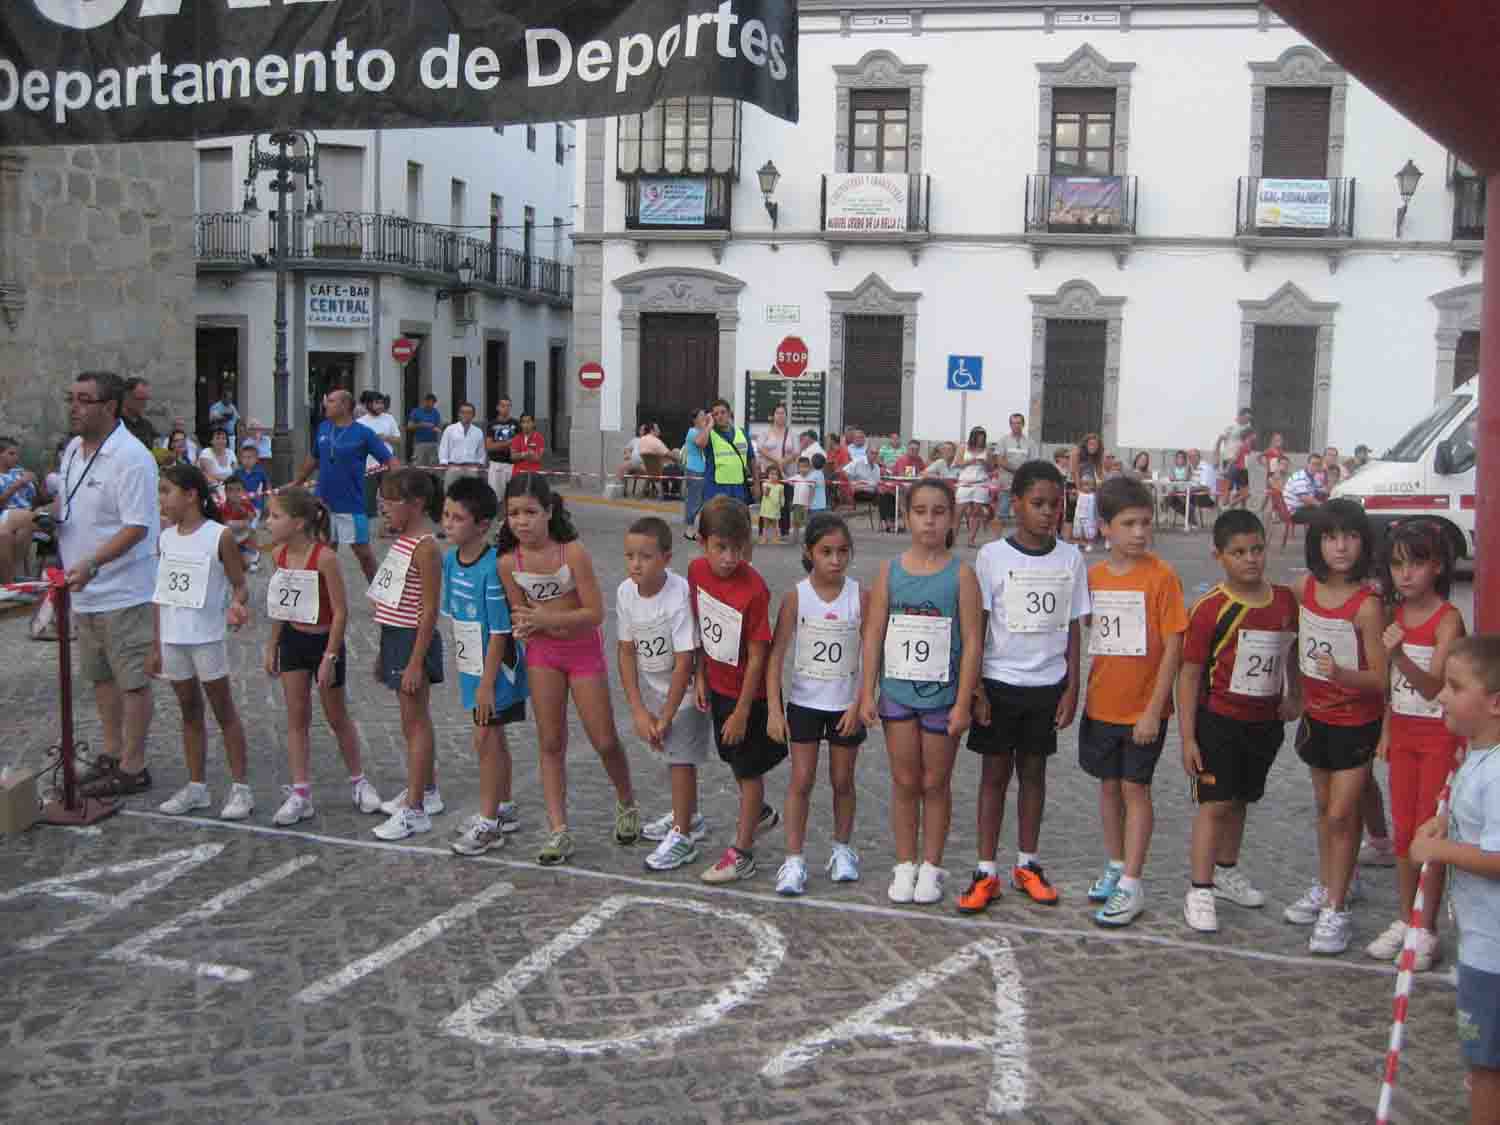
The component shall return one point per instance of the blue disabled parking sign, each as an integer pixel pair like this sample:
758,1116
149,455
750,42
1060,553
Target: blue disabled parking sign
965,372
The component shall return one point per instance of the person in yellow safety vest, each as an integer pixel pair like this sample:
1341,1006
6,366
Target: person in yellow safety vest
729,462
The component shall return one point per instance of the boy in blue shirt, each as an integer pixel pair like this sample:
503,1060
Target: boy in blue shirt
257,484
491,669
819,483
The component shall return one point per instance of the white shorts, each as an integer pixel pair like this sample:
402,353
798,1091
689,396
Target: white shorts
205,663
499,476
1085,523
691,733
350,528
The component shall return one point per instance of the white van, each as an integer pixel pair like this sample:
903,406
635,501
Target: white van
1429,472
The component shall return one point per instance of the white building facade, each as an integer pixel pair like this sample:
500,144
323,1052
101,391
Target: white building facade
1137,217
402,212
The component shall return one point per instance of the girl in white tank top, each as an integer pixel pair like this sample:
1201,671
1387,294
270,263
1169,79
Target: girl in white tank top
820,624
198,567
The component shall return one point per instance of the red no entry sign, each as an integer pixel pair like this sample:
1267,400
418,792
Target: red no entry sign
591,375
403,349
791,357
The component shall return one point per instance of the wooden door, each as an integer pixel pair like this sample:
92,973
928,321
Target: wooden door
458,388
1281,383
556,386
1073,386
679,366
496,377
1296,137
872,373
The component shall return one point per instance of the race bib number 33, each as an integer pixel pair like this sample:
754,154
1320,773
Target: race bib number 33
182,581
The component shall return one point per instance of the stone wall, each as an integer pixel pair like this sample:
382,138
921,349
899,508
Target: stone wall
96,271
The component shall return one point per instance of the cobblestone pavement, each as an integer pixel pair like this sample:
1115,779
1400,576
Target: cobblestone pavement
244,973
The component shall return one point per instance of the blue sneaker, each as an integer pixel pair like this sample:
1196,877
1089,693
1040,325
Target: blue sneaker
1106,884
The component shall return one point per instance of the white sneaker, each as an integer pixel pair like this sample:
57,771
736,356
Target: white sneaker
1330,933
403,822
432,803
1231,885
1377,853
792,878
929,888
1428,950
193,795
1199,910
240,805
293,809
1388,946
843,864
659,828
903,883
366,799
675,850
1305,911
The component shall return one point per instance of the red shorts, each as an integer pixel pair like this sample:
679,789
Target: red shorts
1417,777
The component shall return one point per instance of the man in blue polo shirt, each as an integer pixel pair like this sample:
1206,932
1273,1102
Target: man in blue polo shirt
338,457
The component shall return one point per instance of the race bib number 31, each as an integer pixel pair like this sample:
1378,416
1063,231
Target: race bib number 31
1119,623
1322,636
1039,601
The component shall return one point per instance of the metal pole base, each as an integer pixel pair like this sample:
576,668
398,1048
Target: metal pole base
89,810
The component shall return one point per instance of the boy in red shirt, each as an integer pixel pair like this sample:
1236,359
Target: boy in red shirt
241,517
732,607
1236,689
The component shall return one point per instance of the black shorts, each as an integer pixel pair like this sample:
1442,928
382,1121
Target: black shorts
1238,478
396,643
1107,751
297,651
806,724
1023,720
757,753
1237,757
515,713
1324,746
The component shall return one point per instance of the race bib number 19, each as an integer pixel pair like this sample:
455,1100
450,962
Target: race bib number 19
918,648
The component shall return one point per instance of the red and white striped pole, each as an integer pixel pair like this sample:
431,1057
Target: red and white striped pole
1404,976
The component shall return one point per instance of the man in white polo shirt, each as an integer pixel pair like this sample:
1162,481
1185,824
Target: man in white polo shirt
108,520
461,450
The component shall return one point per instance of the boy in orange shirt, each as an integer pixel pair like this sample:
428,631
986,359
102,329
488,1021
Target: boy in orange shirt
1135,639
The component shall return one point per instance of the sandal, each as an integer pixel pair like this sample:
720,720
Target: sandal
118,784
102,766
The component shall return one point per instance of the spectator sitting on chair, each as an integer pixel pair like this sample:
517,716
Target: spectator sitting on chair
1302,493
630,464
17,494
217,462
864,476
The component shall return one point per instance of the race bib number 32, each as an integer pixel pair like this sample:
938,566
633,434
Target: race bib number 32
653,647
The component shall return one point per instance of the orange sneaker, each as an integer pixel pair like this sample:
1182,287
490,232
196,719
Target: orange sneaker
983,890
1033,882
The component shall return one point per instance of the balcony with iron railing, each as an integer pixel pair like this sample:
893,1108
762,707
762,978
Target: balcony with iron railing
1468,208
855,207
1096,212
423,251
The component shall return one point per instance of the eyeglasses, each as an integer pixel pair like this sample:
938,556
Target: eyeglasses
82,400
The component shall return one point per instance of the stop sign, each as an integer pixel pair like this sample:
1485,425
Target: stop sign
403,349
791,357
591,375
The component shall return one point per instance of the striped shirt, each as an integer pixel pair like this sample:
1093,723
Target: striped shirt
405,614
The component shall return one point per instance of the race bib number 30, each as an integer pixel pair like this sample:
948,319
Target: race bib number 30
182,581
390,579
825,649
918,648
720,627
293,596
1039,601
1259,663
1322,636
1407,700
1119,623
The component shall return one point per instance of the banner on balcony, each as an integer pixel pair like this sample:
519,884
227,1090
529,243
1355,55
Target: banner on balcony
866,201
1297,204
1086,201
134,70
342,302
672,201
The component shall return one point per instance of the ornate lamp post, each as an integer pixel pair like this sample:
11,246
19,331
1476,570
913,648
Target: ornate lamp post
281,159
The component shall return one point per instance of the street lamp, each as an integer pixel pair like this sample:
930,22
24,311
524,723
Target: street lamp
465,281
769,177
1406,183
281,159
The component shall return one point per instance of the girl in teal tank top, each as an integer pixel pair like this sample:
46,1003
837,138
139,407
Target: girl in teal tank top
922,651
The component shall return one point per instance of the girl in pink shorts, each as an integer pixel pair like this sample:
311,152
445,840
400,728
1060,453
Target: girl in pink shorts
557,611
